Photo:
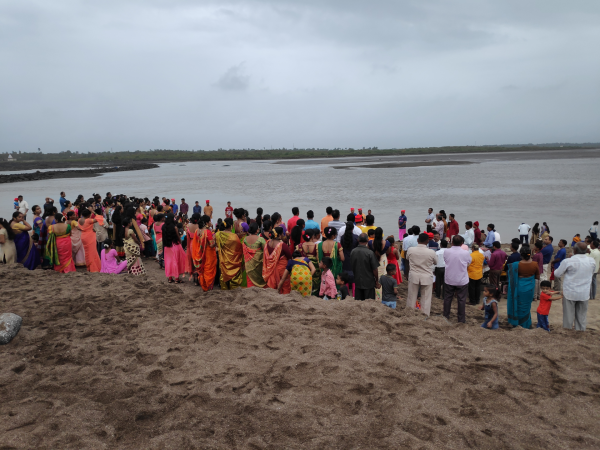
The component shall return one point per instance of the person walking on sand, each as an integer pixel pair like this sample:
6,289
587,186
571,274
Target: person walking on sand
578,271
456,278
402,225
594,230
429,219
422,260
365,268
524,233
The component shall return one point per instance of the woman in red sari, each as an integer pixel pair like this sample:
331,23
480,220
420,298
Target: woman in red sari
277,254
58,248
201,253
393,257
88,238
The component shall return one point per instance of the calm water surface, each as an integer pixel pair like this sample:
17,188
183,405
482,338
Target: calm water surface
561,192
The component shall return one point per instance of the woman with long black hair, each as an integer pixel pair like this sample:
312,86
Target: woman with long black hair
174,254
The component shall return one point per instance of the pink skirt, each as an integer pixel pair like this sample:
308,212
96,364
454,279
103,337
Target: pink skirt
174,261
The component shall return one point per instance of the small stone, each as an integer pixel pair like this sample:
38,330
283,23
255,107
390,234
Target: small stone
10,324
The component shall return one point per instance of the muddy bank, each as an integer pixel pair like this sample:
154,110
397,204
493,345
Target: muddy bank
122,362
395,165
79,173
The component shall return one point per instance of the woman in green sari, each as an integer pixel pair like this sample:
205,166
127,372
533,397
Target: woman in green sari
331,248
254,250
230,257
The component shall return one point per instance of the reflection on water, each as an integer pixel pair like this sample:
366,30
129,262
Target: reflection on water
506,193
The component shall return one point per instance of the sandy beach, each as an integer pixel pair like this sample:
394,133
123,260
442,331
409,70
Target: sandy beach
110,362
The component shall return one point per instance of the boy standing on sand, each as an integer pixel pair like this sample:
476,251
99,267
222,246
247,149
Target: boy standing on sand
547,296
229,211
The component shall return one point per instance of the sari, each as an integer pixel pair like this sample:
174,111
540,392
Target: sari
253,258
201,259
230,259
383,262
273,268
520,296
316,277
27,252
300,277
59,251
77,244
132,254
336,268
393,260
118,234
90,246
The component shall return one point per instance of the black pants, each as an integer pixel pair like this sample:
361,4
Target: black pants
429,228
406,267
524,239
474,291
364,294
439,281
461,294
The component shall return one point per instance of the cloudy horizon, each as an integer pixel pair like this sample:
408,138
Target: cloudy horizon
182,74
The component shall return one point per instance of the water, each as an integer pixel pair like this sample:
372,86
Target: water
560,191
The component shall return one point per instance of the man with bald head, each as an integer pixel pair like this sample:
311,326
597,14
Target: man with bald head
577,271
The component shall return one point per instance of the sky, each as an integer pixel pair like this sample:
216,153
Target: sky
182,74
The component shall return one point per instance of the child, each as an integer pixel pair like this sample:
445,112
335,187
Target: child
389,286
547,296
109,261
328,289
576,239
371,234
16,204
491,297
341,281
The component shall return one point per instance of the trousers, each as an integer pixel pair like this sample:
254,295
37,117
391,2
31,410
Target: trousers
461,295
495,277
474,291
575,312
557,283
524,239
440,273
413,291
364,294
593,287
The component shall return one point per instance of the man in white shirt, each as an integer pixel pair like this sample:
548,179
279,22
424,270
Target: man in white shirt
440,269
469,235
577,271
429,219
356,231
595,255
335,223
23,207
524,233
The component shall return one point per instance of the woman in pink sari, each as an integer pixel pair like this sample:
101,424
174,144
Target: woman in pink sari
174,253
275,260
76,243
59,248
88,238
110,260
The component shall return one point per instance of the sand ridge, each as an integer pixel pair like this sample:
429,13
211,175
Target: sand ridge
109,362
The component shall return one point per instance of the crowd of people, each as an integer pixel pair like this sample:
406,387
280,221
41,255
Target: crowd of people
329,258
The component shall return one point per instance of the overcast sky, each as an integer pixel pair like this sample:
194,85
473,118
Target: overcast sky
141,74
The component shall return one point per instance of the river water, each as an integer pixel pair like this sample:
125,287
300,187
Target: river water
559,188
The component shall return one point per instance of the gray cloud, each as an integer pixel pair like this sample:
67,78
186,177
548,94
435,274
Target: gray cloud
142,74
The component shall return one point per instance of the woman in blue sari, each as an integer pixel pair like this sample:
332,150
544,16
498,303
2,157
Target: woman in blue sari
521,285
27,252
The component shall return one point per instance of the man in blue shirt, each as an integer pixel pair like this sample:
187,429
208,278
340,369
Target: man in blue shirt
402,225
547,252
197,208
310,223
491,236
560,256
63,201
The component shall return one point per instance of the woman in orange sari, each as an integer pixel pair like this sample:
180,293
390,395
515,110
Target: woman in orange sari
201,254
59,248
275,259
230,257
88,238
254,249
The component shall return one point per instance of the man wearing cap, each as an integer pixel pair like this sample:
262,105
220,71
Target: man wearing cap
402,225
352,212
359,218
197,208
208,210
184,207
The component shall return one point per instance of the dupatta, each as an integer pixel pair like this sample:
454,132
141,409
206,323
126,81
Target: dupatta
336,268
519,298
270,264
230,254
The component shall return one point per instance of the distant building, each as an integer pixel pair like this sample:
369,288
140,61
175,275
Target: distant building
11,159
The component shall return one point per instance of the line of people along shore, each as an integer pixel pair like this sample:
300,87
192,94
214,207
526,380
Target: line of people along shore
330,258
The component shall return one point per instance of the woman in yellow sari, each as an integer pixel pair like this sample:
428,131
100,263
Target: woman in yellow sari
230,257
275,259
254,249
201,253
300,270
59,248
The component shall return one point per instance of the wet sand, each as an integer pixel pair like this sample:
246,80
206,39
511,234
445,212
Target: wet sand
395,165
123,362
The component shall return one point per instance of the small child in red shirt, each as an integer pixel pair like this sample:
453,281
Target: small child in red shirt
547,296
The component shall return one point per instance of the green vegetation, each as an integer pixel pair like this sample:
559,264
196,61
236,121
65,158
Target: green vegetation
282,153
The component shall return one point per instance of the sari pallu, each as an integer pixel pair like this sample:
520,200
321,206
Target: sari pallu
520,296
27,252
90,246
336,268
253,258
202,259
77,245
300,278
59,251
230,260
273,267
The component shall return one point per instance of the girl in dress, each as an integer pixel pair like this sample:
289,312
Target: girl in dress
491,297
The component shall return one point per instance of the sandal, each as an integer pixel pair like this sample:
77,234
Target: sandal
170,280
178,281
